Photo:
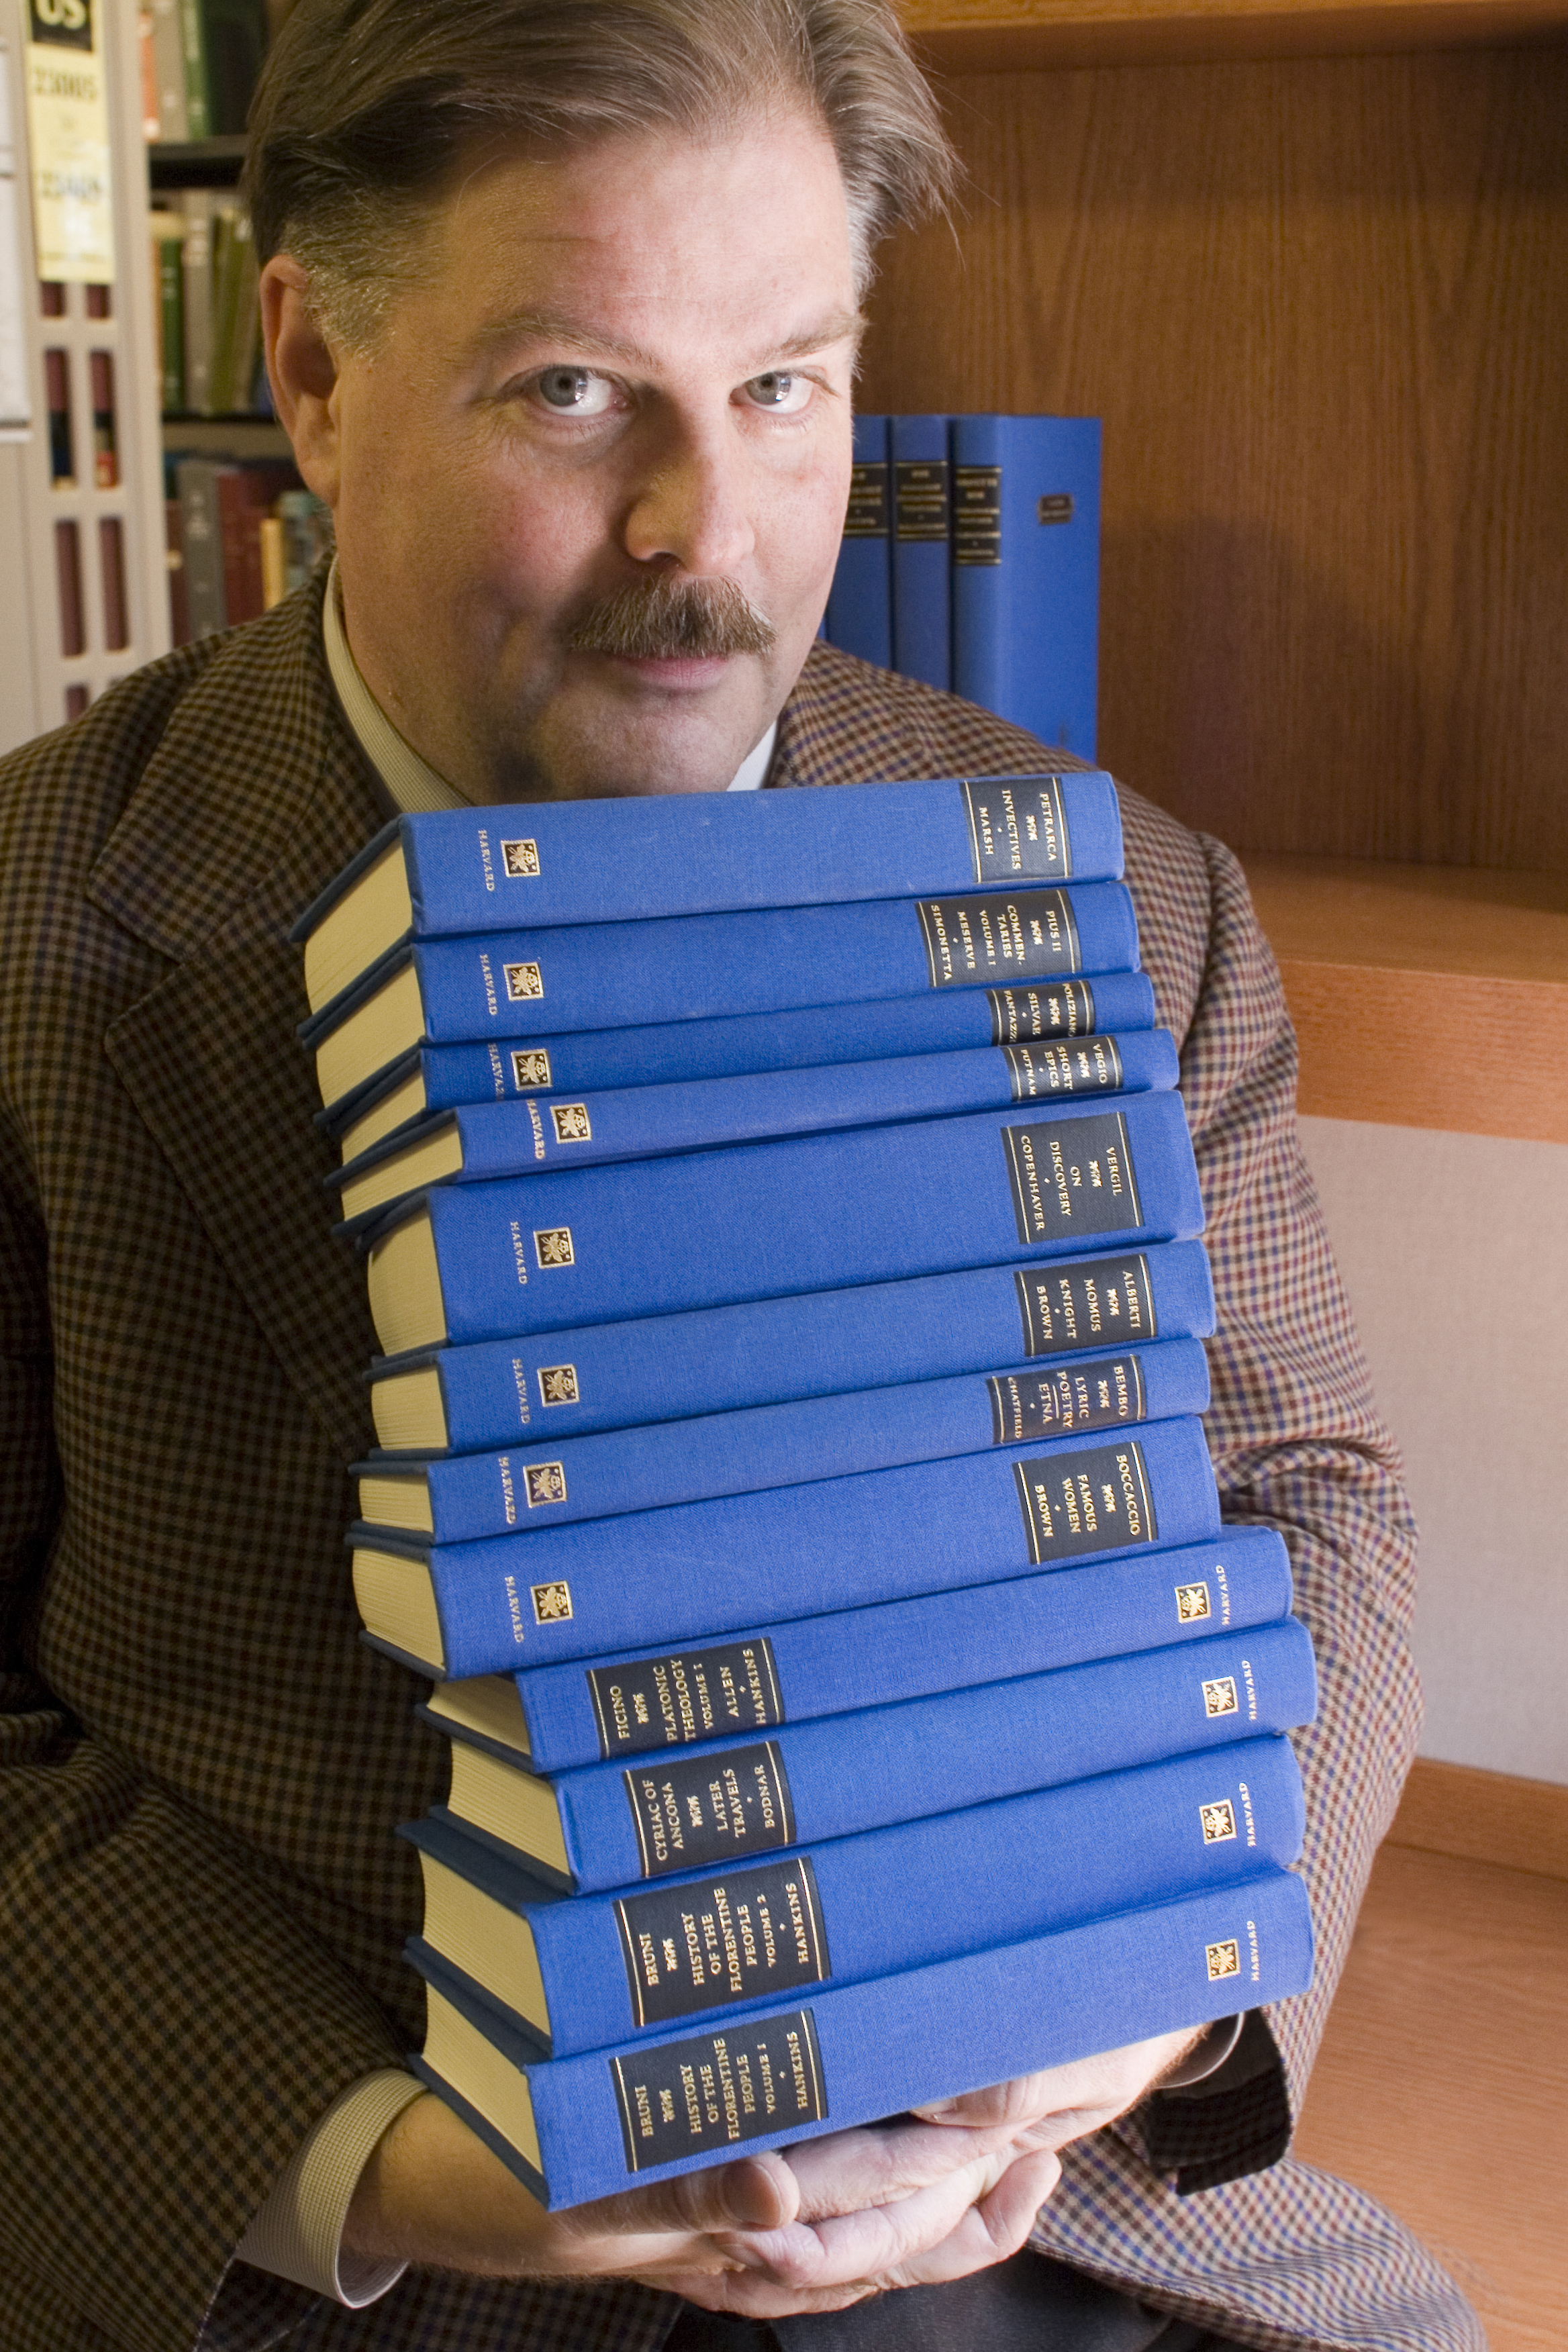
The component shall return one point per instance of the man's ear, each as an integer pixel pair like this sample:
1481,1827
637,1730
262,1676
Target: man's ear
302,369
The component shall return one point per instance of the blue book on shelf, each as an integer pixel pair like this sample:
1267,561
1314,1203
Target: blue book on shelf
759,1220
464,1497
1026,572
480,1142
669,1367
608,1825
439,1077
699,967
648,1701
742,1559
922,522
587,1973
588,2127
860,617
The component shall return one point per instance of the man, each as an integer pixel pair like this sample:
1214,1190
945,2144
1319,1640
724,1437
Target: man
560,305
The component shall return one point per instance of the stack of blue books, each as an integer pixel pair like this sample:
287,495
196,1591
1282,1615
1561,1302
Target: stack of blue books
782,1226
971,560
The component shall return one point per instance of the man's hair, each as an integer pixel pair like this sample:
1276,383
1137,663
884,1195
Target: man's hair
367,109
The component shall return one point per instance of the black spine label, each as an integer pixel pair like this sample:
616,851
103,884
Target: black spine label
1074,1178
977,514
1024,1016
867,517
756,1935
1094,1501
644,1703
921,496
1102,1395
1018,829
1093,1066
711,1808
699,2097
1001,936
1064,1307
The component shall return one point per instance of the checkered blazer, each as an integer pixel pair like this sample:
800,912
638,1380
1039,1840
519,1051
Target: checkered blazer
200,1762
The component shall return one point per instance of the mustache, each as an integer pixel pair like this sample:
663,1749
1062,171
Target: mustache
655,618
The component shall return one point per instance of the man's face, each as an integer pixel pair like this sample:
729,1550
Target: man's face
624,368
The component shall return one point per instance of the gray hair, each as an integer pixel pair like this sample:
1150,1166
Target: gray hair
367,108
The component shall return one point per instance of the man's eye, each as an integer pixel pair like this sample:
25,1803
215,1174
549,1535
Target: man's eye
575,391
784,394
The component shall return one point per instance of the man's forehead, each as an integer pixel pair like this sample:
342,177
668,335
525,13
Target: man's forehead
593,337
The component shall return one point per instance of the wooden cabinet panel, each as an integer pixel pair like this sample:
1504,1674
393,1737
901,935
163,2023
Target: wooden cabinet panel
1323,307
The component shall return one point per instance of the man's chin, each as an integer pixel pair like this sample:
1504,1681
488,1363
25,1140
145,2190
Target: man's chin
657,741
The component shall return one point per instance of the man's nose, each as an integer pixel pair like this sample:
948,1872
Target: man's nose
691,511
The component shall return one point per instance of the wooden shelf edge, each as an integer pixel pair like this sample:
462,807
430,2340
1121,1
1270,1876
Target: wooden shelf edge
1476,1816
1468,1055
998,38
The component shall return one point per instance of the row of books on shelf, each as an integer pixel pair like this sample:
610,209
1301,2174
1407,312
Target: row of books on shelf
207,313
791,1475
242,535
970,560
199,61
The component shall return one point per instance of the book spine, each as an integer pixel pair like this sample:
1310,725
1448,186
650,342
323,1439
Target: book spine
1026,572
605,2120
197,480
594,976
860,617
520,1139
650,1575
904,1896
193,44
603,1244
842,1774
921,527
475,1496
949,1021
197,203
541,865
612,1376
649,1701
172,316
169,63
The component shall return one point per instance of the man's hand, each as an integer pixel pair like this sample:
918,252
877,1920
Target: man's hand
912,2202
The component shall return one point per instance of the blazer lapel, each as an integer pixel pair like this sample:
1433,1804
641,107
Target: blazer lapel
256,795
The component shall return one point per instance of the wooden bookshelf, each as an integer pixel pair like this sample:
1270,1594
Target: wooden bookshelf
1424,995
1002,35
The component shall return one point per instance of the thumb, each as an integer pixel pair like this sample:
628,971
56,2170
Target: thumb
758,2192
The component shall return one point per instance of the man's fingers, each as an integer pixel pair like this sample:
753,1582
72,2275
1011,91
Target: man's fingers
956,2226
855,2169
757,2193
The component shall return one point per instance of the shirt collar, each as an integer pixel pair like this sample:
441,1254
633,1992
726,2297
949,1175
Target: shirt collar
410,781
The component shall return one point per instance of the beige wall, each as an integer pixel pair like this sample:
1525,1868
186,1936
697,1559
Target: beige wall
1453,1250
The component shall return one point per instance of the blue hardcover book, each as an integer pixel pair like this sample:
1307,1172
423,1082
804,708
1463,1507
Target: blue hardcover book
921,527
586,2127
586,1973
702,967
742,1559
1026,572
480,1142
553,1717
859,616
607,1825
439,1077
669,1367
464,1497
761,1219
541,863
